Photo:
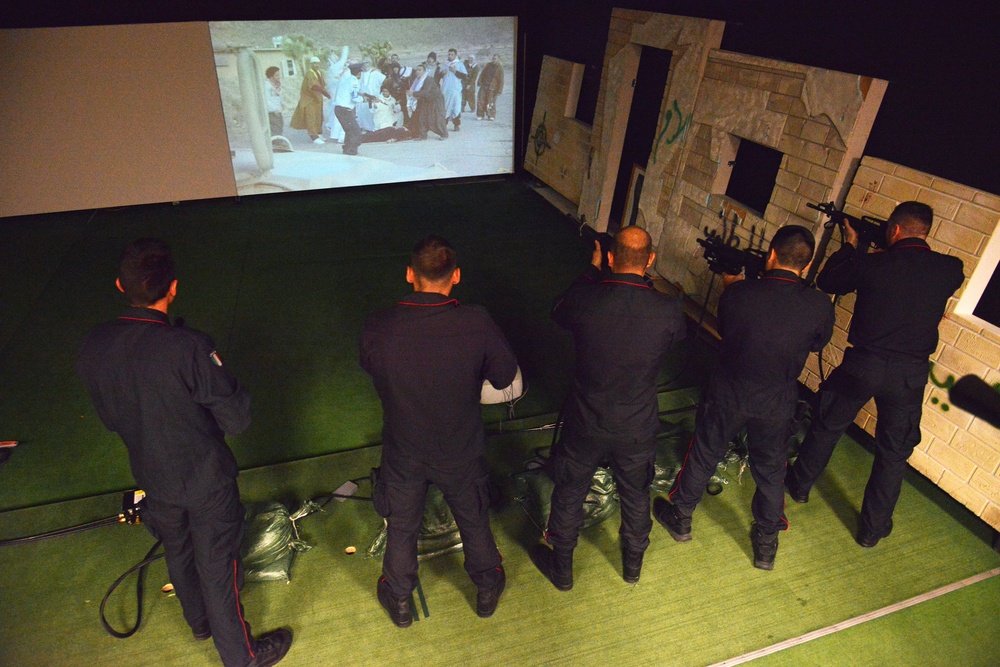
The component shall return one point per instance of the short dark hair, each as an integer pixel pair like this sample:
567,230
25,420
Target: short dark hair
433,259
631,249
146,271
793,245
913,217
432,55
271,70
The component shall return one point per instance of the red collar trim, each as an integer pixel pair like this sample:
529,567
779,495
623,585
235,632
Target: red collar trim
785,280
903,245
142,319
449,302
624,282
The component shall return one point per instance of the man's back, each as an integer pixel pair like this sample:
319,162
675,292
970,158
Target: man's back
622,329
163,391
428,357
769,326
902,294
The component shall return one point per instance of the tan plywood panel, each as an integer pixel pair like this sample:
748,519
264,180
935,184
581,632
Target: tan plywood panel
110,116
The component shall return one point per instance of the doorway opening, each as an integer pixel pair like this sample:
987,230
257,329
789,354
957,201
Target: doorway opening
647,97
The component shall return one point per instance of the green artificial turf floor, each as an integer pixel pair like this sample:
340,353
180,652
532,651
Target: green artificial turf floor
283,284
697,603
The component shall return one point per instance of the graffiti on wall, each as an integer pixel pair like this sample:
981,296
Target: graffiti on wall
947,384
671,131
731,210
540,138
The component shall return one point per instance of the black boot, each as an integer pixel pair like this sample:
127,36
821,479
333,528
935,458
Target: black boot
398,608
271,648
488,598
678,525
794,492
631,565
765,547
557,567
869,538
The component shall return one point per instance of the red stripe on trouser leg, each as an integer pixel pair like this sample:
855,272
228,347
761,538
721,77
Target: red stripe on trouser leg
677,481
239,610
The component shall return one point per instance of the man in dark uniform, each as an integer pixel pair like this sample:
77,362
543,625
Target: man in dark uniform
768,328
428,357
612,412
164,391
902,295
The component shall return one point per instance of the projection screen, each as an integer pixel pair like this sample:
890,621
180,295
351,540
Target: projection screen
329,104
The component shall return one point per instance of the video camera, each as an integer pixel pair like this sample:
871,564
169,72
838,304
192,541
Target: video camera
871,231
727,257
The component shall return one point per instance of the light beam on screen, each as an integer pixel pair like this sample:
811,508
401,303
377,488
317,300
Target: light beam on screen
282,81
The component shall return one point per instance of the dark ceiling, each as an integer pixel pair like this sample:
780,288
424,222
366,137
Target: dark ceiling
939,114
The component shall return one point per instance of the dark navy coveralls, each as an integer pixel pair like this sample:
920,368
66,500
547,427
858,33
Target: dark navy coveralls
768,327
622,330
902,294
164,391
428,357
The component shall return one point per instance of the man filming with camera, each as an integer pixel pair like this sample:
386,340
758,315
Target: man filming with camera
902,294
768,327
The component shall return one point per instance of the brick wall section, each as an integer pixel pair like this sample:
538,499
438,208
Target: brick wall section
814,154
563,164
958,452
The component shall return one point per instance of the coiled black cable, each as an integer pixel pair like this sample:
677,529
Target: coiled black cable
139,587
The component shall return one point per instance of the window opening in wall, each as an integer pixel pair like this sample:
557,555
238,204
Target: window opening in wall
755,169
289,67
980,300
988,307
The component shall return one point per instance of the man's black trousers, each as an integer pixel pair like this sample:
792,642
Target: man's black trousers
399,498
767,442
202,547
574,464
352,131
897,385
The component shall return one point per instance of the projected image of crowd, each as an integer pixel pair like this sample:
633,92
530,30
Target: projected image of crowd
300,96
352,102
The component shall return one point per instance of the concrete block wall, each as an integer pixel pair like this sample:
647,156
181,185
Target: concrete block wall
774,104
689,41
558,148
958,452
619,36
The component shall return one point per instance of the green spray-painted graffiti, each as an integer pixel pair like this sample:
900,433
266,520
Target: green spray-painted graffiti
947,384
668,117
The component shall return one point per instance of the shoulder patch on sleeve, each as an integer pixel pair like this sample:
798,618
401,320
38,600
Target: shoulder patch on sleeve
216,359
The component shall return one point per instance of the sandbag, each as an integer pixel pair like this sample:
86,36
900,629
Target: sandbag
271,540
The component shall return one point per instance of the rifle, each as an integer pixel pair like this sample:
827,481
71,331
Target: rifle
871,231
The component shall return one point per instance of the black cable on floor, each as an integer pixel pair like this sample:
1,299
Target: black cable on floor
139,586
62,531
